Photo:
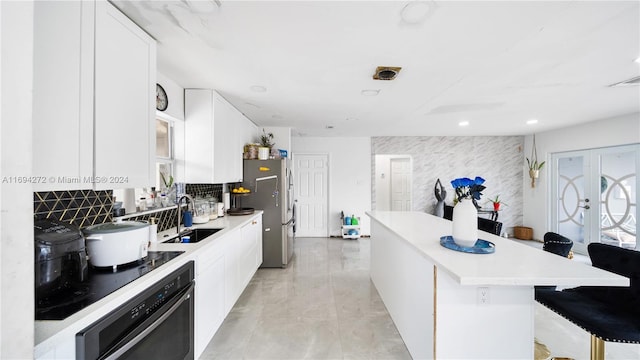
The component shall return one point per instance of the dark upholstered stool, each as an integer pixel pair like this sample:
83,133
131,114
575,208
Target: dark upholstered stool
489,226
608,313
448,212
557,244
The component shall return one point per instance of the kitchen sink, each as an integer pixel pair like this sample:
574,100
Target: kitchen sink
195,235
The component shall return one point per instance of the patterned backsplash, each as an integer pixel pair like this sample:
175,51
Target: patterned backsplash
166,219
89,207
204,190
78,207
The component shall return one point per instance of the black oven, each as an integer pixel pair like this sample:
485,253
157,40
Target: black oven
156,324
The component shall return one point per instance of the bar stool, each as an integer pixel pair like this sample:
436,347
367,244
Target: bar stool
608,313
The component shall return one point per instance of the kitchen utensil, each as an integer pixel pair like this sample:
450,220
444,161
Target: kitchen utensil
114,244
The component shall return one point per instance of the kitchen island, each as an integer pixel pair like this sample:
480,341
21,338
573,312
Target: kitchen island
453,305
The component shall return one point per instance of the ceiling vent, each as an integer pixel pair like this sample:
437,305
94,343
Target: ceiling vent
631,82
386,72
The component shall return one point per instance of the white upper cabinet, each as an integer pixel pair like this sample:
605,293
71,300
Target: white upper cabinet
125,83
214,138
63,94
198,136
94,105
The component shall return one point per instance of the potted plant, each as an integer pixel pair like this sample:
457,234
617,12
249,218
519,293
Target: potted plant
496,203
266,143
533,164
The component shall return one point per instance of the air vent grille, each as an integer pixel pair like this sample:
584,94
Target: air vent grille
386,72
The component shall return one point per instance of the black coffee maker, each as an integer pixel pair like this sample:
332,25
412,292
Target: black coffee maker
60,258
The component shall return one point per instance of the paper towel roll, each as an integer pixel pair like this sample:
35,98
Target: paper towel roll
226,200
129,201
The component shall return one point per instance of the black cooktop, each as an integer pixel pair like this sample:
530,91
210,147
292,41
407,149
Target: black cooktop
101,282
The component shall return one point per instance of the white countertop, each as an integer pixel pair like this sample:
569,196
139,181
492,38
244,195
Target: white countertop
49,333
512,264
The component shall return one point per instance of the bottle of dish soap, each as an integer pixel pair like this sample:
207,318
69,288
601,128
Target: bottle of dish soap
354,220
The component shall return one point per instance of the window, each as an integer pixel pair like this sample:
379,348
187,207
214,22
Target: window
164,152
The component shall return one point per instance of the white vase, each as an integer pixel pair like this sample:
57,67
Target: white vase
465,223
263,153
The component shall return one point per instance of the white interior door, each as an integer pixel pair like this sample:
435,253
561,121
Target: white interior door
311,174
401,184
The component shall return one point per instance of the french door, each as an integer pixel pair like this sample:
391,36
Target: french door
594,196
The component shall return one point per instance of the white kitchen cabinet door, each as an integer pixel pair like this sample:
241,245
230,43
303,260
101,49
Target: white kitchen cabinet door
225,142
252,255
63,95
198,136
210,296
232,288
248,132
125,82
247,256
213,147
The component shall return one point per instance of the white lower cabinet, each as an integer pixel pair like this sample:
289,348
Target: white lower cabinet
210,290
223,271
249,252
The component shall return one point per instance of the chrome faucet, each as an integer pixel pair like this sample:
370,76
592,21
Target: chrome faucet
179,217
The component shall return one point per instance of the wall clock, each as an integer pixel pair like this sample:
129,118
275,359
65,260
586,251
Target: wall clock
161,98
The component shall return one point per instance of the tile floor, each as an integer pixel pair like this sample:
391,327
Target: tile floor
324,306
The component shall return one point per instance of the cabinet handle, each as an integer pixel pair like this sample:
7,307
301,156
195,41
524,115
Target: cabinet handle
253,222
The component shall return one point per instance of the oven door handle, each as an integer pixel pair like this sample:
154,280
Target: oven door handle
187,293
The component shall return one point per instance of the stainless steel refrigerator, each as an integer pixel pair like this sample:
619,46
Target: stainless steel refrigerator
271,185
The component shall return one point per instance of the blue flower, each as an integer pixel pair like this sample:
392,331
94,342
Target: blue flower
468,189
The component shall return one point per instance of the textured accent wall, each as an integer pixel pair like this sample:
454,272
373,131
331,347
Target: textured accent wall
498,159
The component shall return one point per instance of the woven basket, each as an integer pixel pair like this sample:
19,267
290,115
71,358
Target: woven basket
523,232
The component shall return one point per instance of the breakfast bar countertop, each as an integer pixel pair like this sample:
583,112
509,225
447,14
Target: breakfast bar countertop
512,263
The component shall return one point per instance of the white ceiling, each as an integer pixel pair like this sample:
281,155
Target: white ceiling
493,64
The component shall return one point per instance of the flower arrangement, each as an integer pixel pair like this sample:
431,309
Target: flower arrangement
468,189
266,139
496,203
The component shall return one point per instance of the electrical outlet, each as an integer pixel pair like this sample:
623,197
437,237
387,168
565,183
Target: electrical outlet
483,296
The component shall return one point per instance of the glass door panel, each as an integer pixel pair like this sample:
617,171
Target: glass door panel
595,196
571,201
618,191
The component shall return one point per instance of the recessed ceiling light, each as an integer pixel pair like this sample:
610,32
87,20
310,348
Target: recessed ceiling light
463,123
258,88
532,121
370,92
